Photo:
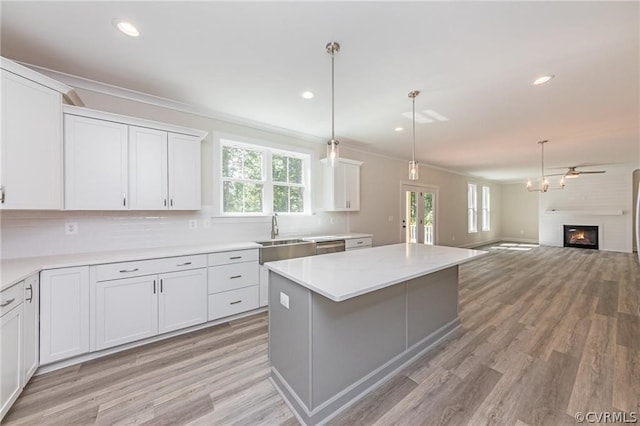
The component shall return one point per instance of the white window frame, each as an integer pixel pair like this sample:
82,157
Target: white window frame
268,149
472,208
486,208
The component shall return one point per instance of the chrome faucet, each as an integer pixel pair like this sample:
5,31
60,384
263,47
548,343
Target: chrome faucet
274,225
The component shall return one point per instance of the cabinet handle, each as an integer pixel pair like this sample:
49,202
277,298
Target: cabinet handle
359,242
30,288
171,202
2,194
154,286
165,202
235,257
124,271
236,302
235,276
7,303
161,286
124,200
184,264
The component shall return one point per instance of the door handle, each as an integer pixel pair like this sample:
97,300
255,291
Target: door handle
7,303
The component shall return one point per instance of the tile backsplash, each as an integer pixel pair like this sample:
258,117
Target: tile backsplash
44,233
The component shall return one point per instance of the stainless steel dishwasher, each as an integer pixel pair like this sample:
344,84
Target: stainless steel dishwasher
333,246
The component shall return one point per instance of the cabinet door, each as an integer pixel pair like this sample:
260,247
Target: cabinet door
147,169
31,145
64,313
183,299
95,154
10,358
184,172
351,176
126,310
31,340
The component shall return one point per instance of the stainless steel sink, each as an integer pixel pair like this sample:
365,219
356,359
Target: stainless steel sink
285,249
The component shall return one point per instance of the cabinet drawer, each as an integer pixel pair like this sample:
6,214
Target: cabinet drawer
358,243
233,302
235,256
111,271
232,277
12,297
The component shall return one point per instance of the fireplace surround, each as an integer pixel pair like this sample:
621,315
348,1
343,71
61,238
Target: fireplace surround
581,236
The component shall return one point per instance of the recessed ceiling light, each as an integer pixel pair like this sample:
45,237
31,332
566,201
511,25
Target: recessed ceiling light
307,95
543,79
126,27
398,129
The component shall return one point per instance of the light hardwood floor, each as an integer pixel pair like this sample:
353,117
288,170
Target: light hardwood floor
545,333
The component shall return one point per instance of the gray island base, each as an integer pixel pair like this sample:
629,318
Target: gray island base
326,355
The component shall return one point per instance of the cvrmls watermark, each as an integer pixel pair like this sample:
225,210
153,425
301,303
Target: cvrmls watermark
606,417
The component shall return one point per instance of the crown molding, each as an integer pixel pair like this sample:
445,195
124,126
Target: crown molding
133,95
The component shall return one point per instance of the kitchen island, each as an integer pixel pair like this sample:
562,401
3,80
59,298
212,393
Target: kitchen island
340,324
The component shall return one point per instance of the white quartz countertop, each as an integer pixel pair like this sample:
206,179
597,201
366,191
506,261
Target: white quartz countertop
15,270
344,275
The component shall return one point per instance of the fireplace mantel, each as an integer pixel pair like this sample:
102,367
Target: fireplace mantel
595,212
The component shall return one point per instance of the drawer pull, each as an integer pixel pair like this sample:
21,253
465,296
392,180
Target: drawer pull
10,301
359,242
236,302
235,276
124,271
184,264
235,257
30,288
154,286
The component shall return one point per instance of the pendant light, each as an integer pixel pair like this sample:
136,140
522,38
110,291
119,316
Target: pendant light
332,146
413,164
544,182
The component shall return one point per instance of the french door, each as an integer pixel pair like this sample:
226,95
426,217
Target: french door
419,213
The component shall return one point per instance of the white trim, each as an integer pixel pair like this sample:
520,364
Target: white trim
597,212
111,90
133,121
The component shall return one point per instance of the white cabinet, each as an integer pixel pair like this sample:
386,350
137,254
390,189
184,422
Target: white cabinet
11,335
64,313
342,185
358,243
131,309
184,172
233,283
113,162
148,168
31,341
182,300
31,145
95,154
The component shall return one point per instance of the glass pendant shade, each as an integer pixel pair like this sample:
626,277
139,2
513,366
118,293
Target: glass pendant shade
414,173
333,152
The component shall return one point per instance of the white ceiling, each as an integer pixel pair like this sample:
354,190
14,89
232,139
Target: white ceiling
473,62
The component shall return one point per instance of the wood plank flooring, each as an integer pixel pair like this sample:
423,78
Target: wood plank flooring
545,333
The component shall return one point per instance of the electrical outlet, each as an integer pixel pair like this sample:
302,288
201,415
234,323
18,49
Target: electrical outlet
206,223
71,228
390,218
193,224
284,300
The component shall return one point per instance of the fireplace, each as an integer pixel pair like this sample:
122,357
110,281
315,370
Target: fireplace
581,236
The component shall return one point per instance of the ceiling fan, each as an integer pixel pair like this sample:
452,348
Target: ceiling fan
573,173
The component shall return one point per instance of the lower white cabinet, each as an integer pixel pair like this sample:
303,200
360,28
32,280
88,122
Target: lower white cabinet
358,243
31,324
64,313
233,283
11,336
182,301
132,309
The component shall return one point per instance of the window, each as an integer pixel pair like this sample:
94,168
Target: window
472,207
261,180
486,208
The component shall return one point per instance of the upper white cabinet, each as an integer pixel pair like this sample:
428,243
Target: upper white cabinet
342,185
31,147
113,162
95,155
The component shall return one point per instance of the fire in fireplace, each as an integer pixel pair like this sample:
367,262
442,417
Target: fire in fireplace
581,236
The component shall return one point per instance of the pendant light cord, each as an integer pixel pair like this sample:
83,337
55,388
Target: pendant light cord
413,151
333,133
